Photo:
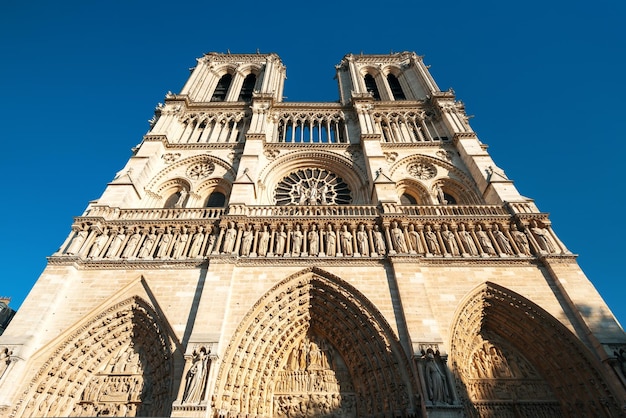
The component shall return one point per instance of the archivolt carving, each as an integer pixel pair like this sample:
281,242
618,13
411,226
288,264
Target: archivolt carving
334,163
119,362
455,180
313,306
507,349
156,184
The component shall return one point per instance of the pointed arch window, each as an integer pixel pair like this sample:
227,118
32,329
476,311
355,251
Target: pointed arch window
396,88
247,88
219,95
370,85
216,200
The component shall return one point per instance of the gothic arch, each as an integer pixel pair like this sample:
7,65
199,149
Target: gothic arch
119,362
543,368
314,302
416,190
431,171
343,167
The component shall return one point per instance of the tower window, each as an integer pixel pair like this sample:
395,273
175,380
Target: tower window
247,88
396,88
216,200
370,85
219,95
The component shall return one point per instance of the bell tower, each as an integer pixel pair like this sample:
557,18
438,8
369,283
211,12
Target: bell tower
358,258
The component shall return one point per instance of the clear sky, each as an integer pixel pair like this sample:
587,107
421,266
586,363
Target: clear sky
544,81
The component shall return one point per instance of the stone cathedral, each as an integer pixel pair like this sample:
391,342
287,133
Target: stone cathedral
358,258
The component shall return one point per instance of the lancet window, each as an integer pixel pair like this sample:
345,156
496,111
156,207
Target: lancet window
245,95
396,88
409,127
216,200
370,85
312,128
219,95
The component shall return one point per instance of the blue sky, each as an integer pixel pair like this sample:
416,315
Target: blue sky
544,81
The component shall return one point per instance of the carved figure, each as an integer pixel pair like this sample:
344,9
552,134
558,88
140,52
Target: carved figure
296,239
346,240
116,243
431,241
246,240
331,241
196,243
229,238
313,194
502,240
281,240
324,194
164,244
436,381
520,239
77,242
362,240
180,203
99,244
397,237
450,240
414,239
146,248
5,360
264,240
468,241
440,196
195,378
181,243
484,240
379,241
543,237
314,241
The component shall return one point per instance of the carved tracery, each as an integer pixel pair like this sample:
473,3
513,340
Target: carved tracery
311,187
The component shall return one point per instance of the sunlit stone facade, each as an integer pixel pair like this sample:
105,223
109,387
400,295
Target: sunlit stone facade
358,258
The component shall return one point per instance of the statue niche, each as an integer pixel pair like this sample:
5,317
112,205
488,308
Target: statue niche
314,382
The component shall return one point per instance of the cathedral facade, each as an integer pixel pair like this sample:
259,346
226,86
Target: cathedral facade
358,258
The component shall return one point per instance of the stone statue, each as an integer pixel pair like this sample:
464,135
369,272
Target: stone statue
281,240
181,243
502,240
246,240
362,240
543,237
440,195
164,244
77,242
379,241
264,240
5,360
131,245
436,381
431,241
196,376
181,199
97,246
314,241
484,240
450,240
148,244
296,239
331,241
230,238
196,243
397,237
116,243
468,241
520,239
414,239
346,241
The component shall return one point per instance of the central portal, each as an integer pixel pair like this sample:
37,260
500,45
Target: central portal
315,382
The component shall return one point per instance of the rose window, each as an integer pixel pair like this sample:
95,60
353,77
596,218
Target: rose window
422,171
312,186
201,170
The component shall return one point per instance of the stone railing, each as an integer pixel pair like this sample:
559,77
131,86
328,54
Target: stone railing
111,214
452,211
341,211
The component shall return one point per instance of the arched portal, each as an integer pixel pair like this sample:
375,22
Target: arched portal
119,363
513,359
314,346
